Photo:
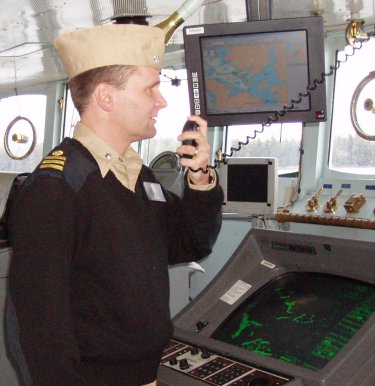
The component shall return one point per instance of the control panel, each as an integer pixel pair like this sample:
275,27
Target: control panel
216,369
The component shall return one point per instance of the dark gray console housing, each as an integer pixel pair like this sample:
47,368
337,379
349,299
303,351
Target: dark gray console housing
345,356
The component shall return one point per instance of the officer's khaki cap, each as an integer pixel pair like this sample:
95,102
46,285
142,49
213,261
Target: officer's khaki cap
111,44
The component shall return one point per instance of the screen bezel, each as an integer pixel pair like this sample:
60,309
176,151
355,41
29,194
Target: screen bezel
315,58
248,208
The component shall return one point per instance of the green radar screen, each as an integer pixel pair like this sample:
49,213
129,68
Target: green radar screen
303,319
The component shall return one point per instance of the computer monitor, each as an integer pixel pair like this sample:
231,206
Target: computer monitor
249,185
244,72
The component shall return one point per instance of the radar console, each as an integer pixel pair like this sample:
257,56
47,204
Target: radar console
286,309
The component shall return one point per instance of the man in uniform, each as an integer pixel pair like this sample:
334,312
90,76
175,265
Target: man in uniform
93,231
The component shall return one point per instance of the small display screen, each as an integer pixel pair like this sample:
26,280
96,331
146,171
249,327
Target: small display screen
300,318
247,183
258,72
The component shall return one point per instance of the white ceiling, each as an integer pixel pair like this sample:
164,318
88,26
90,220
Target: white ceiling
28,27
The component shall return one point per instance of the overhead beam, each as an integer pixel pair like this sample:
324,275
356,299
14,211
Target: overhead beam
258,10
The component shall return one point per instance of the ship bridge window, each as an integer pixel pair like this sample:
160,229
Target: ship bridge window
280,140
71,116
170,121
22,127
349,151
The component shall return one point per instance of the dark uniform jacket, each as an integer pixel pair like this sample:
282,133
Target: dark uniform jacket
89,288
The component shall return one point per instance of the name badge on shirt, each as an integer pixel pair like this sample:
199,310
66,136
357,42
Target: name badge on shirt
154,192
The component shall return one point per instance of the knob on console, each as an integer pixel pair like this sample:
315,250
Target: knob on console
205,353
194,351
184,364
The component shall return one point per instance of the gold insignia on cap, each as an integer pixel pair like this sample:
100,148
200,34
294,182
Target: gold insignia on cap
54,161
157,59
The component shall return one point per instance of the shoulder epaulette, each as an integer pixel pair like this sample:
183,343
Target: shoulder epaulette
56,160
69,161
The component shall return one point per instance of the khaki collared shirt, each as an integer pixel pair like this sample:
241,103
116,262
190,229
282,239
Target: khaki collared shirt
125,167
